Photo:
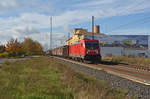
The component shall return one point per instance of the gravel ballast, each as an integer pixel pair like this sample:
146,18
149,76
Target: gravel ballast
140,90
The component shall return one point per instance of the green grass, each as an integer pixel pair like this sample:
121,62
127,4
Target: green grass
44,78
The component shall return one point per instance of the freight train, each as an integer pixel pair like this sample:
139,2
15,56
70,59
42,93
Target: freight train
85,50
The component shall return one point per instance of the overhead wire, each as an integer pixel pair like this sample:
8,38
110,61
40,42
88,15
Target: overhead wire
131,23
136,5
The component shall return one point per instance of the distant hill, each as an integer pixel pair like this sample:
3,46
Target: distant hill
142,39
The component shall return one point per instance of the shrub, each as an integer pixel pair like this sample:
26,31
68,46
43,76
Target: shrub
32,47
116,60
14,48
4,55
132,56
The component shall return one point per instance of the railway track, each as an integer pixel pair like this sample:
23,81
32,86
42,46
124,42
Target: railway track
138,67
139,76
123,71
136,82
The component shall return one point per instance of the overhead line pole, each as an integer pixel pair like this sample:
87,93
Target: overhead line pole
51,32
68,35
93,27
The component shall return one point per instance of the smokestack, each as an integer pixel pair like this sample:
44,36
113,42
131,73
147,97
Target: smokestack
97,29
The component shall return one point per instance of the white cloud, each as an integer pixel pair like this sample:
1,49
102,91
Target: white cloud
24,6
43,37
95,3
8,4
67,29
130,32
29,24
71,17
33,20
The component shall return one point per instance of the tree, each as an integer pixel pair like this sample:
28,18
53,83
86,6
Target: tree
2,48
128,43
104,43
39,49
14,48
32,47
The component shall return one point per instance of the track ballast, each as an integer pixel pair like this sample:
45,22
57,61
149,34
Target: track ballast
117,76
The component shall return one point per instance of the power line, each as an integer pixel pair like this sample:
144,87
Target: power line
92,27
135,6
68,35
130,23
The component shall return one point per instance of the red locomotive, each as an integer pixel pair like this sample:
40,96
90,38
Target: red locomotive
85,50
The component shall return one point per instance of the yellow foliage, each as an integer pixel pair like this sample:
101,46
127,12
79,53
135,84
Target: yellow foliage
39,49
32,47
2,48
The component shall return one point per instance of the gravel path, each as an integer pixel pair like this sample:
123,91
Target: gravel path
140,90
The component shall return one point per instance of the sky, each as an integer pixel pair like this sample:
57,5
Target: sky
31,18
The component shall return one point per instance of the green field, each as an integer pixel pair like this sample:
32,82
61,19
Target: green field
44,78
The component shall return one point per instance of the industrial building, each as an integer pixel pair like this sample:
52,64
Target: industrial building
114,44
82,34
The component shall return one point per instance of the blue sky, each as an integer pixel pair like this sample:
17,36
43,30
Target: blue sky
30,18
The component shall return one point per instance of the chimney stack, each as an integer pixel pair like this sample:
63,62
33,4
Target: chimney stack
97,29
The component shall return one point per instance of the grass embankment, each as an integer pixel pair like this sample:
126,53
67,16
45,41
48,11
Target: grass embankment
138,61
44,78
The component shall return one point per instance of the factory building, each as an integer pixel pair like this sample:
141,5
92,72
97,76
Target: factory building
82,34
116,45
140,47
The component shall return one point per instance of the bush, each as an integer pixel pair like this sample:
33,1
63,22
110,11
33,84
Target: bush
4,55
32,47
132,56
14,48
116,60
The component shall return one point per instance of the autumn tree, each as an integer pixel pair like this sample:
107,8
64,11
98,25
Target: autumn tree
32,47
2,48
39,49
128,43
14,48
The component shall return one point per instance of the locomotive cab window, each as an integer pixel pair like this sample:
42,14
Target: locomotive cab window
91,45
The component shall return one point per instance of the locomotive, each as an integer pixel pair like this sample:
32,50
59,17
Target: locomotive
85,50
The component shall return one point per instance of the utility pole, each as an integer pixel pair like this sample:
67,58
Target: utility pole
50,32
93,27
68,35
